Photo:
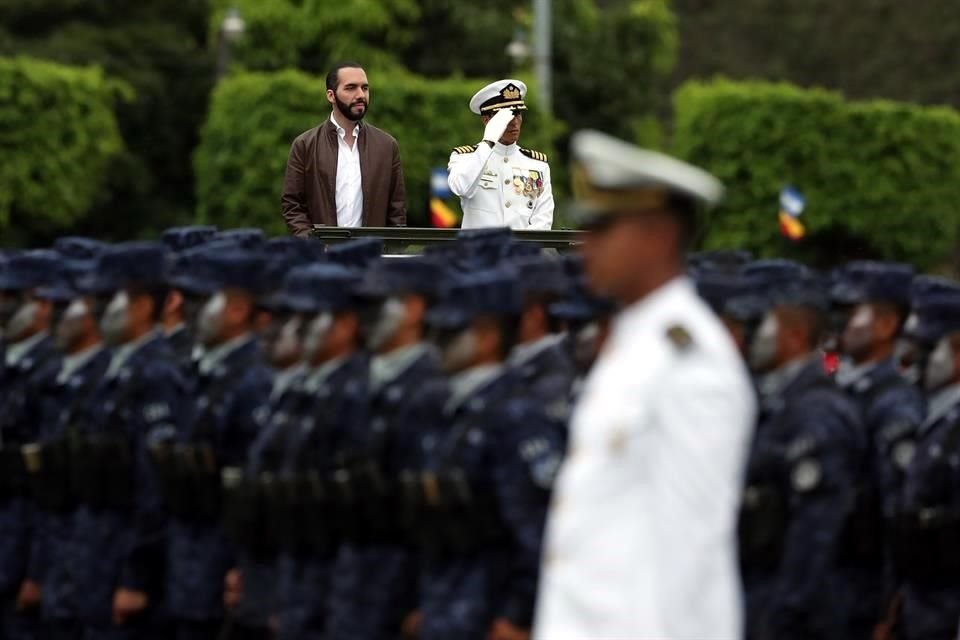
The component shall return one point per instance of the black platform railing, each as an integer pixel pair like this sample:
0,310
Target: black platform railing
410,239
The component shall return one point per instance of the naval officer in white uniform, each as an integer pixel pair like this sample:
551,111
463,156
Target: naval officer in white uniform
501,184
641,534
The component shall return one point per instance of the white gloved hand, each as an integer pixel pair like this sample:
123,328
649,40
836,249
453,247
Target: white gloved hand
497,125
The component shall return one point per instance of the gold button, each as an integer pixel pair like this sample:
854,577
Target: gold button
507,181
508,205
506,160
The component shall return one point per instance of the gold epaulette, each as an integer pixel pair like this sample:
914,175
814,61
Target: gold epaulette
470,148
536,155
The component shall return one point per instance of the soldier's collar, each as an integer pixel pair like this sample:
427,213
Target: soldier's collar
848,373
124,352
940,403
17,351
466,383
390,366
214,357
318,375
175,330
505,149
523,353
76,361
776,382
284,379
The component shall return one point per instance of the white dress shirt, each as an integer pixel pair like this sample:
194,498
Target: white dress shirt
641,534
501,186
349,183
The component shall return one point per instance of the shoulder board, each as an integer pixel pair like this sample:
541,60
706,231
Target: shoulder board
679,337
470,148
536,155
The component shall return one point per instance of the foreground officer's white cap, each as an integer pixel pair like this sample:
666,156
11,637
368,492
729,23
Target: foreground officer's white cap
612,177
502,94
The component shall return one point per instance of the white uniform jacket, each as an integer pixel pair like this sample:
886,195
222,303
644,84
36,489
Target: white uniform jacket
641,534
502,186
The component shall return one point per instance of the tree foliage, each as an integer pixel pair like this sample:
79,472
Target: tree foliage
866,49
254,117
882,179
59,135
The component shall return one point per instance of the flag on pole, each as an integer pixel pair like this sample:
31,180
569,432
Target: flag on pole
792,204
441,215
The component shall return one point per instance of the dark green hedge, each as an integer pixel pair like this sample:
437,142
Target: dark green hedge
58,134
881,179
255,116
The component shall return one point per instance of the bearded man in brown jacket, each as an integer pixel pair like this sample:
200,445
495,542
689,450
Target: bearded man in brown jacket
344,173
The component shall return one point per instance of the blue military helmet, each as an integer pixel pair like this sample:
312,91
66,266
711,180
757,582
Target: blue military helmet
775,271
483,248
867,281
810,291
183,238
718,287
283,255
238,269
125,265
357,254
937,314
78,256
388,277
494,292
30,270
320,287
580,305
246,238
727,260
540,275
190,271
923,285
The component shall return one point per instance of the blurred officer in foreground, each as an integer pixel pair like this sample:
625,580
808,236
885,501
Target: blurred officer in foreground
499,183
480,501
333,404
374,579
668,392
807,457
928,560
119,528
232,382
50,461
30,363
875,298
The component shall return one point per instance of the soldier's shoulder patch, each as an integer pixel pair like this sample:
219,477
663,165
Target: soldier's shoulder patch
470,148
536,155
679,337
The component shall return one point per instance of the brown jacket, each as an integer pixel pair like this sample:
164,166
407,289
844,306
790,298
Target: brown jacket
310,184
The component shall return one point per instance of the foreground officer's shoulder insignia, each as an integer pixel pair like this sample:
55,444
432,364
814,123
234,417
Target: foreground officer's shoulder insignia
470,148
536,155
679,337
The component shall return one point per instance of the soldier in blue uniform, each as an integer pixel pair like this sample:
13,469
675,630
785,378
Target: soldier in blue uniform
47,460
177,313
374,580
912,349
119,527
876,298
540,358
486,473
927,555
332,403
30,362
232,382
807,453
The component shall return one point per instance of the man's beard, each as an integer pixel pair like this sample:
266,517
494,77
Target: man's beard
347,110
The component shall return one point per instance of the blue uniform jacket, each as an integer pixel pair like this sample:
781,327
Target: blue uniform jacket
510,451
199,554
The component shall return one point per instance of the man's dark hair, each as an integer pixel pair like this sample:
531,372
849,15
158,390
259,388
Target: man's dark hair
333,77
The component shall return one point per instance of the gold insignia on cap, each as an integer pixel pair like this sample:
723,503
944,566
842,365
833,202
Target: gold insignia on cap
679,336
510,92
633,200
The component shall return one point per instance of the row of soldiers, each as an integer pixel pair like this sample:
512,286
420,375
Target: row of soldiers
850,515
220,435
